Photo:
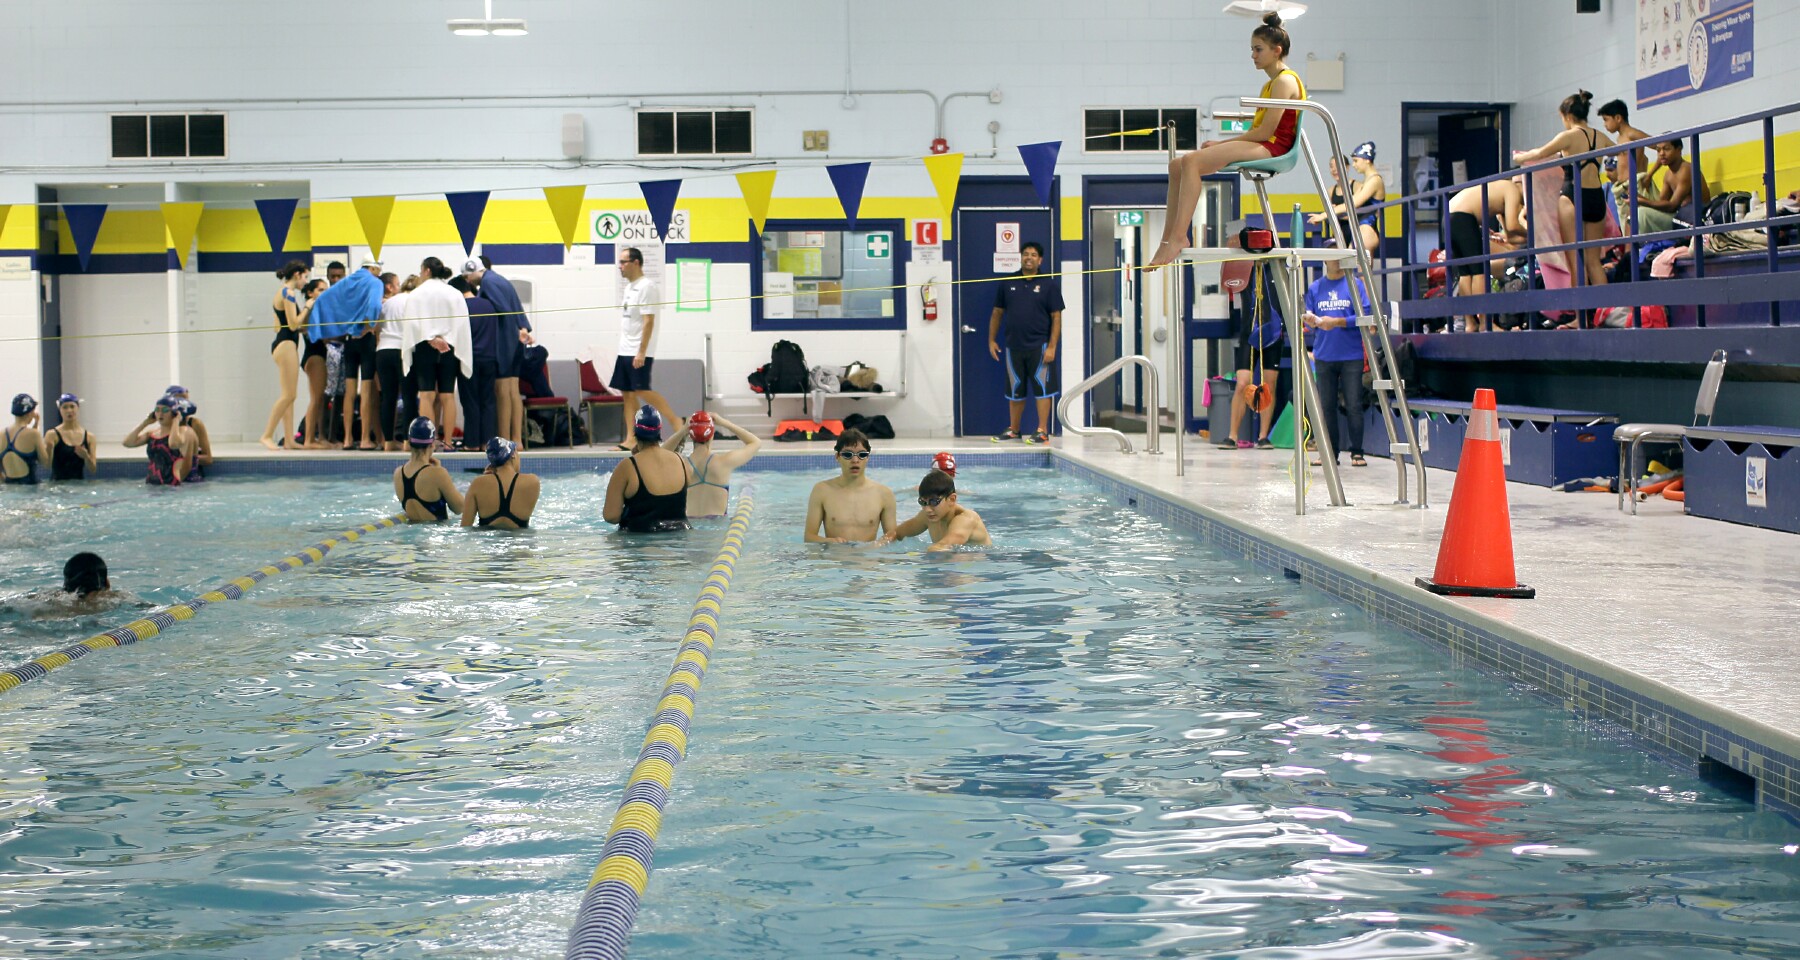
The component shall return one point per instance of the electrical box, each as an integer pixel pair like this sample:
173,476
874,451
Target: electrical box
1324,74
574,136
816,140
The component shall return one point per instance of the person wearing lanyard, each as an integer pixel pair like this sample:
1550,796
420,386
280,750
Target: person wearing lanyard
1031,305
1338,354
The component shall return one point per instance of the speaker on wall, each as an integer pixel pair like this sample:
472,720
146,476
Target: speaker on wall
1587,6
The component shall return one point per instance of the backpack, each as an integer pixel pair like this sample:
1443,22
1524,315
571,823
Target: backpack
823,380
759,379
787,369
860,376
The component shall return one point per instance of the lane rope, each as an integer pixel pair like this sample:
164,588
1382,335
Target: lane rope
168,616
602,927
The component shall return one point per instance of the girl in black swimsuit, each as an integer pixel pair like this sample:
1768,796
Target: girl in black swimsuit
642,510
422,437
1578,138
290,316
514,494
70,458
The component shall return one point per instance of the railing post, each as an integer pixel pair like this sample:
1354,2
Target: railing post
1632,248
1768,132
1699,241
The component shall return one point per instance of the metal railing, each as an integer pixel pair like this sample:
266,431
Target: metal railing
1409,270
1152,423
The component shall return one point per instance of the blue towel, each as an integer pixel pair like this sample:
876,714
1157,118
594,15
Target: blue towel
499,291
346,308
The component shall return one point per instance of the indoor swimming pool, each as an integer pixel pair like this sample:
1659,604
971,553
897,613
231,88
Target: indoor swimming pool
1101,738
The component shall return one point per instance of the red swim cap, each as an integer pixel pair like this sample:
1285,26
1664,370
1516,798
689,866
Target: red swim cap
700,427
945,462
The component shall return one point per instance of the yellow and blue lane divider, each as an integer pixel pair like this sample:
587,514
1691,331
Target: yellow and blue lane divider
603,924
168,616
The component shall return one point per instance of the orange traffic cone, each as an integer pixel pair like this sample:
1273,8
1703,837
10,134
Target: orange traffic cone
1475,558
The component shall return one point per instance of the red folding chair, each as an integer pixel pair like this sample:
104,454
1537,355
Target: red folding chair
555,404
595,393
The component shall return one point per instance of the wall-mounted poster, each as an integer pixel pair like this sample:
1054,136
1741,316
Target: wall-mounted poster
1686,47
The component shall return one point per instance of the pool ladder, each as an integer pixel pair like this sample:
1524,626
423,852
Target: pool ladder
1152,423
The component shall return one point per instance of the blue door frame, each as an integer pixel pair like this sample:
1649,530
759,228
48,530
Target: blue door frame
1149,192
980,382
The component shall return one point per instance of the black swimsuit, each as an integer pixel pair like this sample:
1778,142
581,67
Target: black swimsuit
647,512
31,459
284,333
162,461
1593,199
439,508
66,463
505,511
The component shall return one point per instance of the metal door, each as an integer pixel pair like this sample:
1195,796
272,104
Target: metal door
981,408
1471,140
49,301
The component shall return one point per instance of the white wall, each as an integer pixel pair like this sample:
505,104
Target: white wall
20,362
120,372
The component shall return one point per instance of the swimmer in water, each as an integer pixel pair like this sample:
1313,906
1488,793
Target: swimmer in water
709,489
631,498
508,494
86,589
19,454
949,523
72,447
850,507
170,445
424,487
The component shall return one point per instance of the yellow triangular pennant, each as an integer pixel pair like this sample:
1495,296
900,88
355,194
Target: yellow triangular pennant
565,208
373,213
757,187
183,221
946,172
5,211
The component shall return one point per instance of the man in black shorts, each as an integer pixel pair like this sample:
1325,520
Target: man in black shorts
1031,304
1500,216
359,380
640,311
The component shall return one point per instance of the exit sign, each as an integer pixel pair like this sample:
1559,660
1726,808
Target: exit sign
1131,218
1234,124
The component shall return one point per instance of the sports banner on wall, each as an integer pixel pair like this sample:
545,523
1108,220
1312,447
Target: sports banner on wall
1686,47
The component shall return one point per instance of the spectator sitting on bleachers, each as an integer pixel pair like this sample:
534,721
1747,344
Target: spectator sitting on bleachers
1658,207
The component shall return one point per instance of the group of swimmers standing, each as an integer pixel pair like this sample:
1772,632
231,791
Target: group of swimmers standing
178,446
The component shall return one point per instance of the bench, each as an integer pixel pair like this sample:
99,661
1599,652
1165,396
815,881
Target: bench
816,399
1544,446
1748,475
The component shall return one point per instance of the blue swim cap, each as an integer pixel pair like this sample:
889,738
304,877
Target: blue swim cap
649,423
1364,151
67,398
185,407
422,433
166,401
500,450
176,390
23,404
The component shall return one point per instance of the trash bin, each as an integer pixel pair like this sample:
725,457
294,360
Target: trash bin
1218,406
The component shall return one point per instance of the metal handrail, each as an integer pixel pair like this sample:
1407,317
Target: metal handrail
1152,423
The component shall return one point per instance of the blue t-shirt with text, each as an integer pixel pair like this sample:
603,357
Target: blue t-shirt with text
1331,298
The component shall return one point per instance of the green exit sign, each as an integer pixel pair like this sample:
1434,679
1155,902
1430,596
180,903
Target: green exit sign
1131,218
1234,125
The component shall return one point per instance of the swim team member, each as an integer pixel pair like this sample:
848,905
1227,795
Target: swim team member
170,445
73,452
426,491
709,492
949,523
503,496
850,507
203,456
632,500
19,454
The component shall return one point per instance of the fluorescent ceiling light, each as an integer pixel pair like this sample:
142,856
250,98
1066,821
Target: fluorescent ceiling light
487,25
1289,9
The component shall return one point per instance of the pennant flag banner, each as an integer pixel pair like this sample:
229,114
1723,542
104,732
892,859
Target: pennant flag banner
277,217
849,180
374,213
757,187
946,173
1040,162
565,206
84,228
659,196
5,211
183,221
467,209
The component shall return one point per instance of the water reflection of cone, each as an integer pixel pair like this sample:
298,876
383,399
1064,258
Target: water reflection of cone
1475,558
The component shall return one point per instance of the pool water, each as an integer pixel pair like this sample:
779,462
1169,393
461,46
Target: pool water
1100,738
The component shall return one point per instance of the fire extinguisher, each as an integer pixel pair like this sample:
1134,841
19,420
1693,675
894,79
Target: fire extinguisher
928,297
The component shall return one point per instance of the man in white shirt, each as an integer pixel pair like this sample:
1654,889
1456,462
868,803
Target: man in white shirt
437,320
637,341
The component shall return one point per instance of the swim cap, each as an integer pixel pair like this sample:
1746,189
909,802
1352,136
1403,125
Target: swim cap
700,427
500,450
23,404
176,390
185,407
1364,151
85,573
649,423
67,398
422,433
166,401
946,462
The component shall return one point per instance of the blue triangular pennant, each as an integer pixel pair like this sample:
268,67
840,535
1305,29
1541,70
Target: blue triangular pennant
849,179
277,216
659,196
1040,162
84,228
466,209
